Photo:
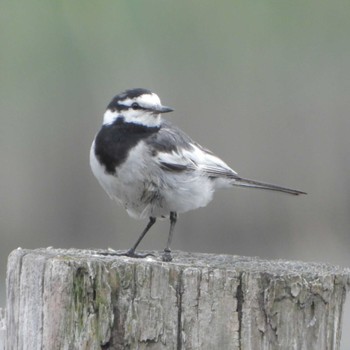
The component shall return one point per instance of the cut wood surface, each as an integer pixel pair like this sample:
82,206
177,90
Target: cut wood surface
81,299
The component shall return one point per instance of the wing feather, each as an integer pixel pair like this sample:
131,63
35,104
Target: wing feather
176,151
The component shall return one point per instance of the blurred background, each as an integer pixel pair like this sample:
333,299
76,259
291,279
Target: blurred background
265,85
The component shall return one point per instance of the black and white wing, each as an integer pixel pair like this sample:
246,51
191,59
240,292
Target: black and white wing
175,151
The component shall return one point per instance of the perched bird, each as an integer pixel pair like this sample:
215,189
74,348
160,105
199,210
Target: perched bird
153,168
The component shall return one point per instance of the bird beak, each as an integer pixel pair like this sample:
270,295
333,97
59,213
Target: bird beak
161,109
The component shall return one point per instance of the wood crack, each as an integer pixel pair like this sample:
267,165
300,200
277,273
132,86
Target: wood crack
179,294
240,301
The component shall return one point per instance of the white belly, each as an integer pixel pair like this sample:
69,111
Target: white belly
146,190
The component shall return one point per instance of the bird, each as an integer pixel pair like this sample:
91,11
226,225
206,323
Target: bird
154,169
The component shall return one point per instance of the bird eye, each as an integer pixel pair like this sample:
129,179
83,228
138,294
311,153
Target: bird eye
135,105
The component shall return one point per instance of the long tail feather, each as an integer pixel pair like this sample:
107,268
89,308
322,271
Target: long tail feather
264,186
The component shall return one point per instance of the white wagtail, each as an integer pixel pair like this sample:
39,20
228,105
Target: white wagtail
153,168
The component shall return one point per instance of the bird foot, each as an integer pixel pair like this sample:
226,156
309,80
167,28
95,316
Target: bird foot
166,257
130,253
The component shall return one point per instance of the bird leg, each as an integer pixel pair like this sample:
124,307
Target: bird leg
167,252
131,252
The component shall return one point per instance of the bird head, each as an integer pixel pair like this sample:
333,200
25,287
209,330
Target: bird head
139,106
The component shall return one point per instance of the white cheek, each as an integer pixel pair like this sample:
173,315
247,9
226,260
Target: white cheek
109,117
147,119
132,116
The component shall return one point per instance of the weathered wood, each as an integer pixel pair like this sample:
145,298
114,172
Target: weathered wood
70,299
2,329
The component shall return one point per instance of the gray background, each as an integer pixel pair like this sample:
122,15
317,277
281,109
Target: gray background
265,85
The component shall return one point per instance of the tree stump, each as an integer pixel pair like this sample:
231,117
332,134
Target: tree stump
2,329
81,299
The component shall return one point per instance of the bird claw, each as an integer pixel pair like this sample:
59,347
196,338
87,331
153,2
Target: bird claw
130,254
166,257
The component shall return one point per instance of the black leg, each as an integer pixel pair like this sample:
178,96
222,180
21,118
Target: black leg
131,252
167,252
143,234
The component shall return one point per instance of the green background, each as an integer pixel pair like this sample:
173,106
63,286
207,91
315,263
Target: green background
263,84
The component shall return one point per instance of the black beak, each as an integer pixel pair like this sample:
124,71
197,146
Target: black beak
161,109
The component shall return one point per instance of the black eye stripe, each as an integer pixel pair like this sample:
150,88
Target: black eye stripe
122,107
132,94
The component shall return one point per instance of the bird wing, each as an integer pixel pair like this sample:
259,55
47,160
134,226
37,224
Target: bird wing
175,151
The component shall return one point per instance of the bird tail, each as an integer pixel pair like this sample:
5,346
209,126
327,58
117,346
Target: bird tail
241,182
